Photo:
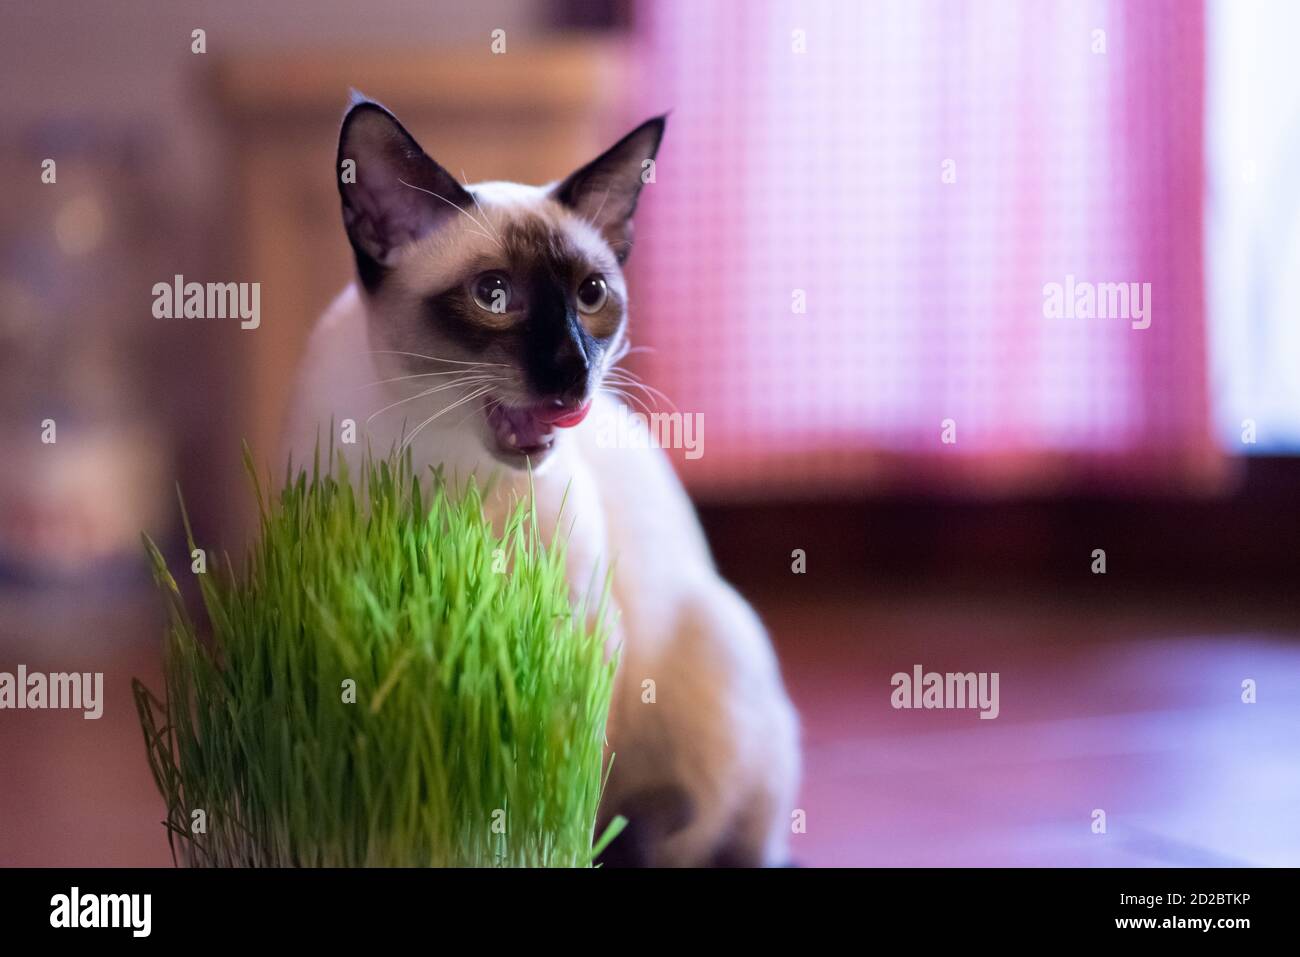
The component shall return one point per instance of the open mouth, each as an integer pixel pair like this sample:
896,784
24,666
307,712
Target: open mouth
529,431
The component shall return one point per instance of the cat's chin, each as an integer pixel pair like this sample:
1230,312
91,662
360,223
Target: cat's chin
521,459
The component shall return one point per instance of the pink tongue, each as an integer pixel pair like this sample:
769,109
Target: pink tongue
565,418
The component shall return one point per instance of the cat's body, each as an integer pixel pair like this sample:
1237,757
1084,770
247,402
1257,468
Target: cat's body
705,738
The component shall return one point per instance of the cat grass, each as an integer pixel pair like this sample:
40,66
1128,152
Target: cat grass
386,682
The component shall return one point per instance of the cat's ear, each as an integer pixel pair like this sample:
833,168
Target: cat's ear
605,191
392,192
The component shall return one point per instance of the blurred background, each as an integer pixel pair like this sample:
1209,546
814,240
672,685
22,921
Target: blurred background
854,215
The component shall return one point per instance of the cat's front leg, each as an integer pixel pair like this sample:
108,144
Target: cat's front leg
706,762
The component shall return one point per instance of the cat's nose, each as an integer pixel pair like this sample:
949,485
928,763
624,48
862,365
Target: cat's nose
566,379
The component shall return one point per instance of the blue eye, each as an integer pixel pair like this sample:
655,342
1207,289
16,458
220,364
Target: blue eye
592,293
492,292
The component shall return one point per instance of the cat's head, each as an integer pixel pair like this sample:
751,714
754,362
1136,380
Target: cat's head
508,299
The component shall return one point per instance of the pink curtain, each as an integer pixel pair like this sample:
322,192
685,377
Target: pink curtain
918,171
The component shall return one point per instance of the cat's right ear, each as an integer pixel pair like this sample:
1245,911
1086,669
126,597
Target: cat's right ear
392,192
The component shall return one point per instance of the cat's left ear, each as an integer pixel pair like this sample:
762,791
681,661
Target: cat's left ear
392,192
605,191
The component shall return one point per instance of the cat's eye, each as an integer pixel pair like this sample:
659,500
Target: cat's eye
492,292
592,293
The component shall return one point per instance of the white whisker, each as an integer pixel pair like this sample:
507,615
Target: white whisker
418,375
614,390
417,355
486,220
622,377
482,231
592,221
473,381
459,402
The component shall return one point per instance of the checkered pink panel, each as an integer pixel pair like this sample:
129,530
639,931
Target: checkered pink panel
855,213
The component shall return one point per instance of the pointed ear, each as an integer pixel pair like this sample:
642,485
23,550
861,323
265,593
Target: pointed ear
393,193
605,191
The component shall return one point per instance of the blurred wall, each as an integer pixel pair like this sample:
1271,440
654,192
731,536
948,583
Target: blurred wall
130,61
115,92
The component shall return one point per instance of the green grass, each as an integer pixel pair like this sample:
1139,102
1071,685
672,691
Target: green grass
481,691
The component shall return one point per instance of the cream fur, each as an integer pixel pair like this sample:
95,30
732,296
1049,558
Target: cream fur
722,727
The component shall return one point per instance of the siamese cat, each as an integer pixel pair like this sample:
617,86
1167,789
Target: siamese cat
480,332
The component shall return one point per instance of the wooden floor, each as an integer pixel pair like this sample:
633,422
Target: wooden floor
1135,711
